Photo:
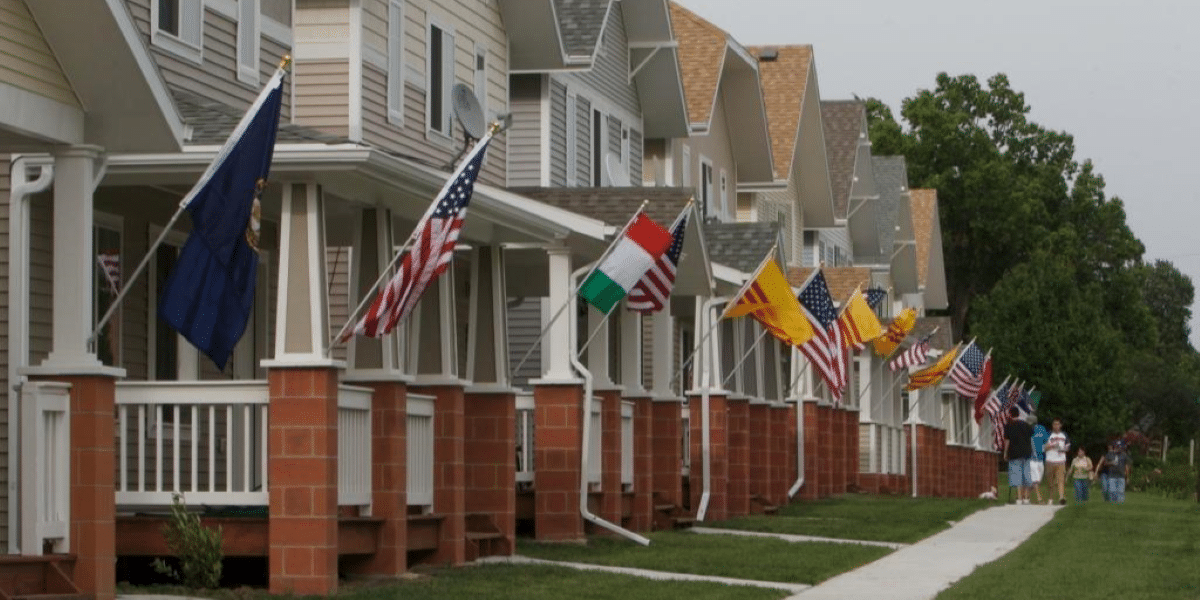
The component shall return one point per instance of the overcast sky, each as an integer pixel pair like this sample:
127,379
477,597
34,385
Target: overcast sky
1123,78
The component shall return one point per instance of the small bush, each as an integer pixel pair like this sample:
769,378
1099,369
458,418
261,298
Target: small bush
1177,455
1169,480
196,547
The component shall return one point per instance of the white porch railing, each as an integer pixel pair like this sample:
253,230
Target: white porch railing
354,446
204,439
524,433
686,440
627,446
594,448
45,467
420,450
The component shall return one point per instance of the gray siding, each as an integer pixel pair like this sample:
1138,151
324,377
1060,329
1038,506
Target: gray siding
524,137
610,73
524,325
635,156
558,134
41,274
583,141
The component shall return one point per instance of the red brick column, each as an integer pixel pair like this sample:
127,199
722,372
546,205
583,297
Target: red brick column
489,454
93,490
852,449
837,423
610,452
449,470
558,438
789,444
302,471
389,473
667,450
643,463
739,457
825,450
718,500
812,467
777,416
759,449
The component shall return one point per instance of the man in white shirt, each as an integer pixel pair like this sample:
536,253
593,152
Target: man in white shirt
1056,448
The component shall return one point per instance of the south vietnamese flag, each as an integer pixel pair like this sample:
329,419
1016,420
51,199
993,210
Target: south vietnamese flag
627,261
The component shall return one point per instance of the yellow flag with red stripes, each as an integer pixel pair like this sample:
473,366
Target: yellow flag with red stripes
933,374
769,299
886,344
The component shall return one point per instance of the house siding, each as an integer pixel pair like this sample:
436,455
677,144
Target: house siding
583,141
26,60
635,156
715,146
524,136
5,187
524,327
215,78
558,134
609,74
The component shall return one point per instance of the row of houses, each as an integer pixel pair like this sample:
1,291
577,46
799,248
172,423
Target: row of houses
441,442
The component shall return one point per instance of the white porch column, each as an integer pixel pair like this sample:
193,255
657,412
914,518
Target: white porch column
556,345
76,170
662,325
372,359
487,344
598,350
631,353
302,312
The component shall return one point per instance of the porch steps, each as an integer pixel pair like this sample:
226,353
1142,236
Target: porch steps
484,538
47,577
668,515
761,505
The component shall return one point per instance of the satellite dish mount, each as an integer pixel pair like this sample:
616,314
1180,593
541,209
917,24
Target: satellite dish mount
469,114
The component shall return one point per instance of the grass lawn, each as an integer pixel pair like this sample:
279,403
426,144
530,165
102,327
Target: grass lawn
722,555
863,517
508,582
1146,548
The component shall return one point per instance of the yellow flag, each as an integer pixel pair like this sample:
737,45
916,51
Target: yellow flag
768,298
896,332
858,322
931,375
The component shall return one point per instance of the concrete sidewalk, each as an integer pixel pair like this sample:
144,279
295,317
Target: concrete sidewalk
923,569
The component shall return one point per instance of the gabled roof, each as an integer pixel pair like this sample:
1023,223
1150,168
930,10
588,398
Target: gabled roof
842,120
891,178
942,340
741,246
212,122
547,35
784,80
701,56
927,227
842,281
580,24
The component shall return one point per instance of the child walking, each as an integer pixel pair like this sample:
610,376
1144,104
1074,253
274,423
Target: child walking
1081,474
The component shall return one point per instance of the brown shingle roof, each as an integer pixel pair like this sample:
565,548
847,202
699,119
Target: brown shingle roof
842,121
842,281
701,50
784,80
924,209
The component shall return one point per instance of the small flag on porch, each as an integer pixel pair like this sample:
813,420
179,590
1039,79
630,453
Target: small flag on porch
632,254
768,298
985,387
825,350
886,344
110,264
858,322
875,297
209,295
932,374
654,289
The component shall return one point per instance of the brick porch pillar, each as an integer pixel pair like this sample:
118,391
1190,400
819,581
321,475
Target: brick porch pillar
667,449
789,468
837,444
302,471
489,453
610,452
643,463
558,435
449,470
853,448
777,418
718,499
759,447
812,468
826,453
389,476
739,456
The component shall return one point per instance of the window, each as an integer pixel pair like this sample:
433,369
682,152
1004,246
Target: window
707,201
599,143
106,284
439,78
481,87
248,41
177,27
395,62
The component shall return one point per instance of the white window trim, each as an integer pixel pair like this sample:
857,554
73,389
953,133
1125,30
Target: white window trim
598,139
395,62
276,30
115,223
448,80
188,356
249,25
572,116
705,188
189,44
480,78
729,213
685,171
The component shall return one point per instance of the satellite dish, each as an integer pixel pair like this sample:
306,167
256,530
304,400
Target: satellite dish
467,110
618,175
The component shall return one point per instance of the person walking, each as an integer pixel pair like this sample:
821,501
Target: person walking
1037,461
1116,466
1018,447
1082,475
1056,447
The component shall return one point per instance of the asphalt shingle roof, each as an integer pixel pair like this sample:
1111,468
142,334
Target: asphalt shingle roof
613,205
701,53
842,121
741,246
784,80
580,23
924,206
212,122
842,281
942,340
891,180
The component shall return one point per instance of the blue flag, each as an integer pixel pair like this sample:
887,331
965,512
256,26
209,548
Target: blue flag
209,295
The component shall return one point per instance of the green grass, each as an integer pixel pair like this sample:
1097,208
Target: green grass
863,517
1147,548
509,582
721,555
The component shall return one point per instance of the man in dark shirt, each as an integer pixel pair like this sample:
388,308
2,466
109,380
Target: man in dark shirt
1018,448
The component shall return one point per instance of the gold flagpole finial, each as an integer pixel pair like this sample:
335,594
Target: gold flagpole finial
645,203
286,62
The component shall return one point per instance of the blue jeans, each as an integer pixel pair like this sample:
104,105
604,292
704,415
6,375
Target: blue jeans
1018,473
1082,487
1104,486
1115,489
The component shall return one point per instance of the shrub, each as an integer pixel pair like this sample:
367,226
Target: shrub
1177,455
196,547
1169,480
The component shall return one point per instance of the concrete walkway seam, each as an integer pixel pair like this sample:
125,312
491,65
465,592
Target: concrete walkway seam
790,537
648,574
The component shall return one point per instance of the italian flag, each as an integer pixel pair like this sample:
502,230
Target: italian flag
632,255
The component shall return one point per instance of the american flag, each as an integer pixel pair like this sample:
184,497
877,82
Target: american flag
824,350
967,371
654,288
1005,398
110,265
916,354
875,297
430,254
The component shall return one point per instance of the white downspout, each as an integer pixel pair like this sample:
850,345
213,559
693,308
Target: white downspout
706,378
912,419
799,448
18,322
587,432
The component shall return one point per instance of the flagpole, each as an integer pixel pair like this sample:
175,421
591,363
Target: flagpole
571,297
744,357
369,295
234,137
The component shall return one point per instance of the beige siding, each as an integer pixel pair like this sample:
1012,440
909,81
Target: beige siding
337,273
26,60
216,77
375,25
321,91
